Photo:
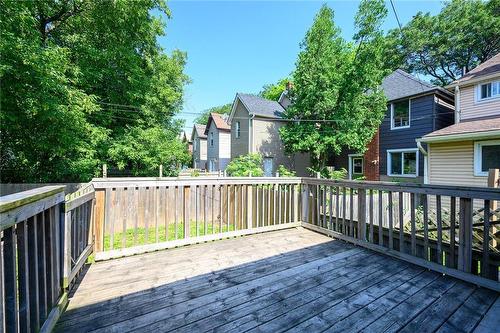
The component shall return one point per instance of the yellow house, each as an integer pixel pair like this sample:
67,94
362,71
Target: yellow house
461,154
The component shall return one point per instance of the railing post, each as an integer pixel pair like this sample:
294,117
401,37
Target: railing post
305,202
465,235
67,250
361,214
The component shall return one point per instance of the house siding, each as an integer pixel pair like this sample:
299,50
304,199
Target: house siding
452,163
220,152
200,153
421,123
239,146
470,109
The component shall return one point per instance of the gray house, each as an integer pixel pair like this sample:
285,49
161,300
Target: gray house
218,134
199,139
255,123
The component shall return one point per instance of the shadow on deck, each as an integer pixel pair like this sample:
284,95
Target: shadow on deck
289,280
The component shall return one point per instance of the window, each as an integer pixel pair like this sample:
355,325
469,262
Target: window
486,156
211,139
402,163
238,129
268,166
400,114
488,90
355,166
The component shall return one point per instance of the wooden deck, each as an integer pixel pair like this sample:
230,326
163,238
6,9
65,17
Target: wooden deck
290,280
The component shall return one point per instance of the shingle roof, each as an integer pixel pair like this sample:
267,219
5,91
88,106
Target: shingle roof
488,67
200,131
261,107
400,84
474,126
219,122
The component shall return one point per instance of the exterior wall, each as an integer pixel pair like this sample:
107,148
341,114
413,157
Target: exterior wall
421,123
224,138
452,163
267,141
212,150
239,146
200,153
371,161
220,152
471,109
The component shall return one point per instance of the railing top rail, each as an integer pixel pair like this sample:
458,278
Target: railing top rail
12,201
102,183
471,192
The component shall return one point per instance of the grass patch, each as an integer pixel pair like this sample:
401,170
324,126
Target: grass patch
163,234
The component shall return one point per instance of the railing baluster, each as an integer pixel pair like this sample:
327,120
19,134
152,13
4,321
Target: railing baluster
401,222
485,262
351,212
23,276
439,224
337,208
124,220
344,204
138,191
453,208
380,218
176,207
391,220
330,209
42,274
413,229
425,206
33,268
324,225
10,279
465,236
371,216
362,214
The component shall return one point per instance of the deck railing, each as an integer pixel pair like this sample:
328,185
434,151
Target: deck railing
47,238
444,228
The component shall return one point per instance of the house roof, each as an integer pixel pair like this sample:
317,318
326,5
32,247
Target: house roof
260,106
200,131
467,129
486,69
400,84
219,122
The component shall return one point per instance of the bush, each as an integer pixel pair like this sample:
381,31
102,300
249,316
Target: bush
246,165
284,172
340,174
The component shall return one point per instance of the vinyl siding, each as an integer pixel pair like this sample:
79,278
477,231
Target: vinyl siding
471,109
212,150
224,144
200,153
220,152
452,163
239,146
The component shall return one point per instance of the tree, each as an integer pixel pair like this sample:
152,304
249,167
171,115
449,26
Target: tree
246,165
337,100
273,91
464,34
222,109
78,77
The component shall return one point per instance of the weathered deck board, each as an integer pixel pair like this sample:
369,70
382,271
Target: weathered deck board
289,280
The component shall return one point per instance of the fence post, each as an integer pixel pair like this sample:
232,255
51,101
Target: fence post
305,202
361,214
465,235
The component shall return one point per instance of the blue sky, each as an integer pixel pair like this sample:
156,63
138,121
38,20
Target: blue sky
238,46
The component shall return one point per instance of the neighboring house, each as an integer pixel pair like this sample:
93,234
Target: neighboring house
414,109
218,134
199,140
184,138
462,154
255,123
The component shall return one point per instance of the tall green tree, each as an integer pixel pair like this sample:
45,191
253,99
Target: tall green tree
273,91
337,101
464,34
78,78
221,109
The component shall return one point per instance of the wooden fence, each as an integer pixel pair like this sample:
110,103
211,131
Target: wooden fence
449,247
135,216
45,242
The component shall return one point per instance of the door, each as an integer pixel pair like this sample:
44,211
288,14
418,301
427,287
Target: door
268,166
355,166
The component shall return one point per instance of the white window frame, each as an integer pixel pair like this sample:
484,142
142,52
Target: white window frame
351,157
477,92
406,150
238,130
409,117
478,156
211,139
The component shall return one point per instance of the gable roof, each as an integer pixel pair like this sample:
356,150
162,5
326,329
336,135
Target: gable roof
486,69
481,128
219,122
260,106
400,84
200,131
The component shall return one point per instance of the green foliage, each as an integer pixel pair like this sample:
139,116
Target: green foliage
246,165
464,34
195,173
337,98
81,81
273,91
222,109
284,172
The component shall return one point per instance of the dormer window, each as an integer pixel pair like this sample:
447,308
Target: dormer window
400,114
488,90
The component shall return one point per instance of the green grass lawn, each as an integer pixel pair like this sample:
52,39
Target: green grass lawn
162,235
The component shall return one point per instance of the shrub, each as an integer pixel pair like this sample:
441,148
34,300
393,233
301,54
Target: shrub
246,165
284,172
